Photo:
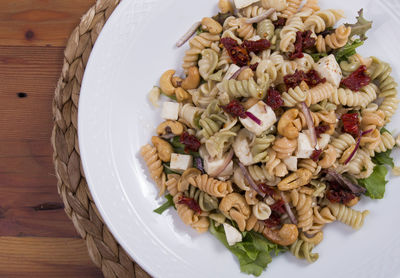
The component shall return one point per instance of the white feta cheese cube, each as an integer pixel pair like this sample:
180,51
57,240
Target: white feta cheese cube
233,236
231,71
181,162
323,141
291,163
304,147
264,113
170,110
240,4
329,68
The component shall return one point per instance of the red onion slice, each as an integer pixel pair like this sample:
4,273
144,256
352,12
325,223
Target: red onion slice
357,146
260,17
310,124
236,74
227,160
331,176
250,180
253,117
198,163
188,34
288,209
354,151
366,132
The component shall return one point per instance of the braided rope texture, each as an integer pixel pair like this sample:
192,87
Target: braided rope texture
103,249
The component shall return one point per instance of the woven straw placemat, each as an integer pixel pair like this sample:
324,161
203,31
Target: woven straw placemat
104,250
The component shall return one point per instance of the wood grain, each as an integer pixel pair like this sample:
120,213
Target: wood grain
44,257
39,22
36,237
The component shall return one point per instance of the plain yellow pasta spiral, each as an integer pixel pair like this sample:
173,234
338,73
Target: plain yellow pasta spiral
350,98
321,20
252,11
347,215
333,41
197,44
284,147
172,184
320,93
342,143
310,165
211,186
292,8
188,216
294,96
253,224
154,164
311,4
303,204
387,142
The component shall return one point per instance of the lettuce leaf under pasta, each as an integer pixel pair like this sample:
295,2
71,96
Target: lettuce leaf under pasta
376,183
253,253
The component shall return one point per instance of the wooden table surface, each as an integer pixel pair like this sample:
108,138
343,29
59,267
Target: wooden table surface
36,237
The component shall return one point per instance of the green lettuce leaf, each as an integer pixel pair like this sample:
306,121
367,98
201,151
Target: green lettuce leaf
318,56
376,183
361,27
342,54
253,253
169,203
383,130
168,170
383,159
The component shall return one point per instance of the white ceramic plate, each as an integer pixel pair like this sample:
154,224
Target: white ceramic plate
115,119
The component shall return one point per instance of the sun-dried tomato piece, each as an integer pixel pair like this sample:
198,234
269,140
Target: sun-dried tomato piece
321,129
256,46
308,41
190,202
253,67
268,190
229,43
303,41
273,221
357,79
280,22
351,123
294,80
235,108
191,142
316,155
279,207
338,194
238,54
274,99
298,47
313,78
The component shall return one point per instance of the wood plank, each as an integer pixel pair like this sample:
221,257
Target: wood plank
27,177
37,70
39,22
45,257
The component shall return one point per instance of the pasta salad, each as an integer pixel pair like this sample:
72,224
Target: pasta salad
276,129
